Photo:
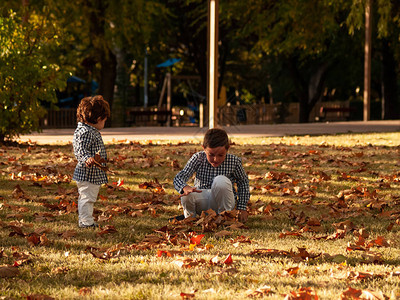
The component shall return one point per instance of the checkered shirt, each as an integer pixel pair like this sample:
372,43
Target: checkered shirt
87,142
205,174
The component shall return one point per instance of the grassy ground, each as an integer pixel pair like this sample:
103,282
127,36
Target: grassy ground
324,220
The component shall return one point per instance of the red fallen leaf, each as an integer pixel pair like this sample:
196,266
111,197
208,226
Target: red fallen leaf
168,253
356,247
285,234
119,182
379,242
228,260
291,271
306,293
196,239
7,272
85,291
103,198
188,296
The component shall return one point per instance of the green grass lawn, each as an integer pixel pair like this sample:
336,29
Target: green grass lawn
324,220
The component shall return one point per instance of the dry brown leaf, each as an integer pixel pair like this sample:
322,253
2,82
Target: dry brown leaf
39,297
260,292
304,293
85,291
68,234
7,272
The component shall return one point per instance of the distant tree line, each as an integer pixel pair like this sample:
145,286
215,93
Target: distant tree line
281,50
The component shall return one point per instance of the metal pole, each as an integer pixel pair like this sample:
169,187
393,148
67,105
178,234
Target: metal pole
146,98
168,98
367,61
201,115
212,61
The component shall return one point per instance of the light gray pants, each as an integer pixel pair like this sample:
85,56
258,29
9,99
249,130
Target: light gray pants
87,197
220,198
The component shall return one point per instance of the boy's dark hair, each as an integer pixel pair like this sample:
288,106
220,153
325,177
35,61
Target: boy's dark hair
90,109
216,137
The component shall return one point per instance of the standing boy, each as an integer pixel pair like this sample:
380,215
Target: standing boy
92,113
216,173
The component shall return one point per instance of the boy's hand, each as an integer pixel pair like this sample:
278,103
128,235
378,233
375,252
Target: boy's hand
243,216
90,162
189,189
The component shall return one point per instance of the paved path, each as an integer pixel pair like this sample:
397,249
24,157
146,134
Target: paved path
63,136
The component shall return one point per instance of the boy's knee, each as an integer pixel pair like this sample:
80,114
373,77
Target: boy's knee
187,199
221,182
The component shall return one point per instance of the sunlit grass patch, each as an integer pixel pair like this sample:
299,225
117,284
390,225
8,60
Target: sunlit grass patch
324,215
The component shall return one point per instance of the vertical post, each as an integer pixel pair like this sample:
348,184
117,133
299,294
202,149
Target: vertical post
168,98
367,61
201,115
212,61
146,99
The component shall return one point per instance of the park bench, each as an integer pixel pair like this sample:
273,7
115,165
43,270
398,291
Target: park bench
150,117
147,117
336,113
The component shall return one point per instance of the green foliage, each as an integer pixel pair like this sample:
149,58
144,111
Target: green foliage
355,19
27,76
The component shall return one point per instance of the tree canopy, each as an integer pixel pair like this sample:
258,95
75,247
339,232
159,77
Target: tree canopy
289,51
28,74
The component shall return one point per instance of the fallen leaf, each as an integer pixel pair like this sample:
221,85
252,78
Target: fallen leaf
304,293
260,292
7,272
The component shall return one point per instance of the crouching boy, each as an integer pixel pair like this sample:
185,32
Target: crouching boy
216,173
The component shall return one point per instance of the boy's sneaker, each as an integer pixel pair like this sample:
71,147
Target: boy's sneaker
94,225
178,218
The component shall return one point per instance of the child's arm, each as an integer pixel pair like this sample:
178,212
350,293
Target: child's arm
242,181
90,162
183,176
186,190
81,148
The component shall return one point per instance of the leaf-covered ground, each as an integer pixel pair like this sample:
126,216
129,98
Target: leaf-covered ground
324,222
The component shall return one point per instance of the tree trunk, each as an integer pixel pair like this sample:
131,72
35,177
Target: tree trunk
108,61
390,107
304,110
108,74
308,91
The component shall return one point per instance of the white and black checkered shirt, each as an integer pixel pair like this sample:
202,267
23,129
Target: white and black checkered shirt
87,142
205,174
